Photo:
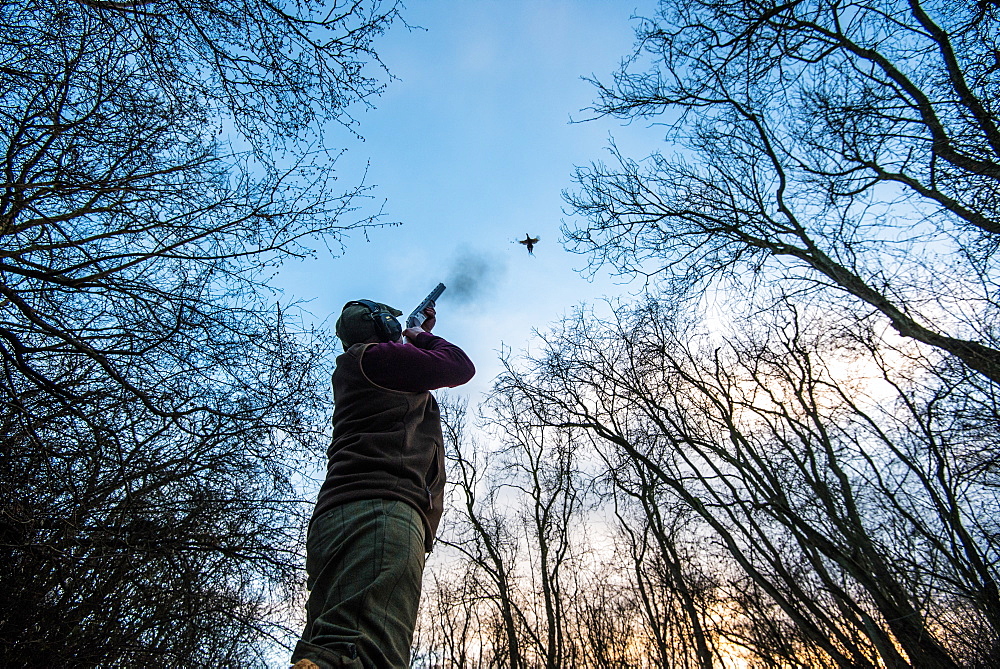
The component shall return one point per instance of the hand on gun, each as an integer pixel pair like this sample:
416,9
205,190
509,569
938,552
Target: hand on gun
426,326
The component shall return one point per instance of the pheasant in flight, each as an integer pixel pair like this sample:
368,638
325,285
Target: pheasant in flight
530,242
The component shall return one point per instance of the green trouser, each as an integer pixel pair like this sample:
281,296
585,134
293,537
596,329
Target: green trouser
364,562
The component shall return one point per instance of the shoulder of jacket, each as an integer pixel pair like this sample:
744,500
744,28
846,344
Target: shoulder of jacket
356,350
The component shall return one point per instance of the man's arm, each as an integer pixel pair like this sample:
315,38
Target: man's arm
428,362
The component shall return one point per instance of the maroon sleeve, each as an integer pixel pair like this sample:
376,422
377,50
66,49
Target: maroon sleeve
428,363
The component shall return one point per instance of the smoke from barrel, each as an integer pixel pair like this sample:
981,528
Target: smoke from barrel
472,276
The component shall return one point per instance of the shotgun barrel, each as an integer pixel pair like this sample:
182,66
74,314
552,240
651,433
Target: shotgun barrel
416,317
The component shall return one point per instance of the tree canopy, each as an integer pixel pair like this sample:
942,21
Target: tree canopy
159,159
785,451
851,145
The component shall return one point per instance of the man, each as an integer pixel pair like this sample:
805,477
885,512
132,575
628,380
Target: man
380,505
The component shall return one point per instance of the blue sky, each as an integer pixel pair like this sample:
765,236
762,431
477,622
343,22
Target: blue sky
470,148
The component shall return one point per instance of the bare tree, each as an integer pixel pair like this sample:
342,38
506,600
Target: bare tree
515,537
126,540
829,157
159,159
479,529
605,617
130,231
851,147
856,515
813,484
677,598
540,468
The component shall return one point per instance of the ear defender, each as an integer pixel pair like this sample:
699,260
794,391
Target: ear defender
387,328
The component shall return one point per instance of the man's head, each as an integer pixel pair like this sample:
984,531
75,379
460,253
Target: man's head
364,321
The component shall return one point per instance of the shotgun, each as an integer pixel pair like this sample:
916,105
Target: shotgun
416,317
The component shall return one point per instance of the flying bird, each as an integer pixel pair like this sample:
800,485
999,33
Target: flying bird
530,242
